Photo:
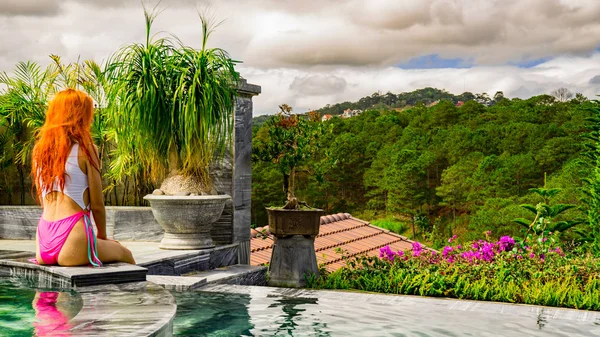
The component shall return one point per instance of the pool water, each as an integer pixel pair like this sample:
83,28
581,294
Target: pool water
26,311
262,311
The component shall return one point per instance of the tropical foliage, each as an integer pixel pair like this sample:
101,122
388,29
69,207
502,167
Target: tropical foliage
23,103
160,106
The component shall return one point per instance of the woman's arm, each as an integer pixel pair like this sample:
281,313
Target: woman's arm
96,196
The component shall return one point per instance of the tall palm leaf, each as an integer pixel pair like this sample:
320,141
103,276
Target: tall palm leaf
23,104
171,105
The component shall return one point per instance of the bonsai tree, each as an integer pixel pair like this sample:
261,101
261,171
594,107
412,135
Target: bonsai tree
171,106
290,141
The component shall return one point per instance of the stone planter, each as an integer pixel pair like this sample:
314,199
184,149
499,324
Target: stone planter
284,222
293,258
187,220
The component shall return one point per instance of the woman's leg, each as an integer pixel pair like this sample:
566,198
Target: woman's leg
112,251
75,250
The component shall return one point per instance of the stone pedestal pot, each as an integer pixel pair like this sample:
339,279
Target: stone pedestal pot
293,257
187,220
284,222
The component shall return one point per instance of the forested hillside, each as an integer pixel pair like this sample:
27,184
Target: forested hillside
426,96
442,169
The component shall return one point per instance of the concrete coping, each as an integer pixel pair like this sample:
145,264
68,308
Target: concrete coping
70,277
246,88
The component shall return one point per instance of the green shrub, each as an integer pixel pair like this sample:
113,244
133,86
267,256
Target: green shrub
392,224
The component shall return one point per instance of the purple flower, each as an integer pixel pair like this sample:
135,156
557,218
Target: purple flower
542,257
387,253
532,255
506,244
417,248
446,251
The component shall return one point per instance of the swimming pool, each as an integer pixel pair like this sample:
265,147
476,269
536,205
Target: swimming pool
227,310
25,311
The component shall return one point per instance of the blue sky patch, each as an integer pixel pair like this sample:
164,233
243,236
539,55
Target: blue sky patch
434,61
529,63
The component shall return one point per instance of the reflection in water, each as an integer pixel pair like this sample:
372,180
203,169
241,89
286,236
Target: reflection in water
212,315
293,314
49,318
217,314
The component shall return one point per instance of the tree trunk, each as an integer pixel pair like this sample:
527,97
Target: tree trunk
291,188
454,216
115,193
286,184
412,220
22,180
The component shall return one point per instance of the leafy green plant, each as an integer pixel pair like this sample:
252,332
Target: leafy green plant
480,270
23,102
171,106
544,221
592,188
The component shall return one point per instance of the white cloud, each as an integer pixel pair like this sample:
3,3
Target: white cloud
310,53
574,73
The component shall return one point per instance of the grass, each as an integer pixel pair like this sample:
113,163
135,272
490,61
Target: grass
392,224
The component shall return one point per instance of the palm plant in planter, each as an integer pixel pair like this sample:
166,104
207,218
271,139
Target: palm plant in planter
291,141
172,110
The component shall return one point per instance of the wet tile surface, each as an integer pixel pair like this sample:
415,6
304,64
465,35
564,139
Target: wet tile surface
281,311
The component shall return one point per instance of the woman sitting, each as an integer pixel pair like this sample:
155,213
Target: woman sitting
66,173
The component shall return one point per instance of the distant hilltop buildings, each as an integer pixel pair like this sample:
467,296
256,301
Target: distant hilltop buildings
351,113
326,117
347,114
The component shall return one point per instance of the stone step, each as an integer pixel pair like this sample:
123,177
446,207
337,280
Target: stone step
235,274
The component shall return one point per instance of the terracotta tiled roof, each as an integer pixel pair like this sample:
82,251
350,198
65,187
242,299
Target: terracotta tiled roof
338,231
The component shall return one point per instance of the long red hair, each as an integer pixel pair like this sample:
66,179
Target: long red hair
68,121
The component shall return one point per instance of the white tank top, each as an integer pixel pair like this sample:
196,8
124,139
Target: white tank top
76,182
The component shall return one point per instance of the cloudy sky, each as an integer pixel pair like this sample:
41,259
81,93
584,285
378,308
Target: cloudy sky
311,53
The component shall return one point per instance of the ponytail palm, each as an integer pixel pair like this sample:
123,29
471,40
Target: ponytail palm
171,105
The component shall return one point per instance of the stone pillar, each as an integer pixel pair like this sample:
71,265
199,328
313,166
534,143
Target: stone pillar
292,260
242,169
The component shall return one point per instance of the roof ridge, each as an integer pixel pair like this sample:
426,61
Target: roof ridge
334,218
